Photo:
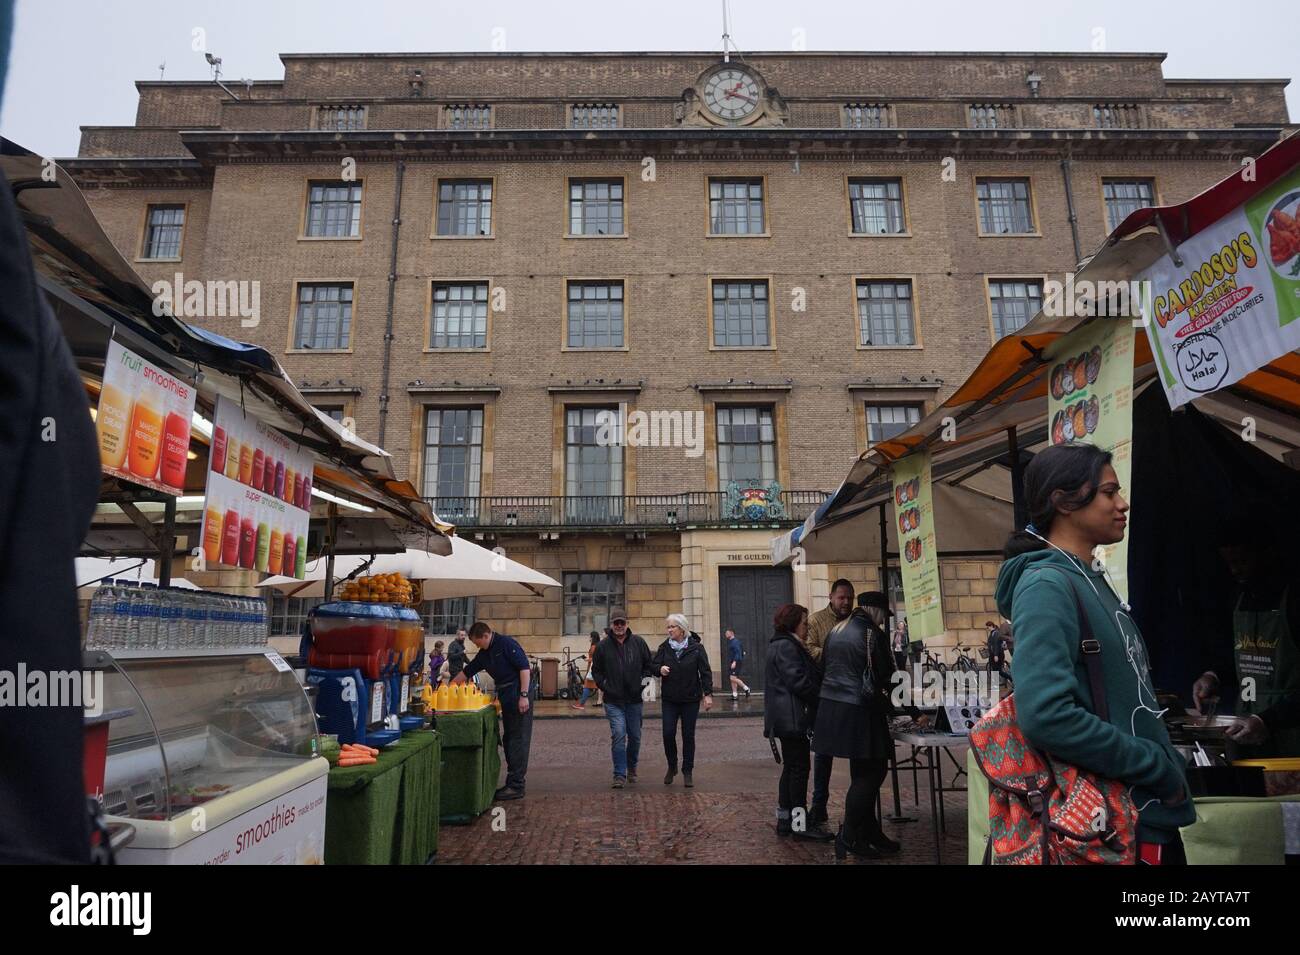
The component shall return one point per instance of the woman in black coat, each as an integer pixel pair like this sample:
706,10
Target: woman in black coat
686,680
789,706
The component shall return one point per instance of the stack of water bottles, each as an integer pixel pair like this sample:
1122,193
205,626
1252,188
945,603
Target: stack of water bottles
125,615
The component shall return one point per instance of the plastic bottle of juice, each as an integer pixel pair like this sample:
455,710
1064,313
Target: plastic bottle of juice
232,457
247,542
217,453
176,446
230,539
146,439
111,424
259,468
246,465
263,545
289,562
212,536
300,558
277,551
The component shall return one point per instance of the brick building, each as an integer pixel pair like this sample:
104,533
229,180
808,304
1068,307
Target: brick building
782,256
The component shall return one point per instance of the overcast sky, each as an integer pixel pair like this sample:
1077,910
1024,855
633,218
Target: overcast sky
75,62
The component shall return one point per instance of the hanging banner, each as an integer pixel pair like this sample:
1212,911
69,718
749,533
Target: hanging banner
258,501
914,514
1090,399
1231,307
143,422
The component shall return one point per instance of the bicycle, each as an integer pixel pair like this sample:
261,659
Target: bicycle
965,663
931,662
572,690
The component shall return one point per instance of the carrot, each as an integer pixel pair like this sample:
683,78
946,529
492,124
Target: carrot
357,761
370,750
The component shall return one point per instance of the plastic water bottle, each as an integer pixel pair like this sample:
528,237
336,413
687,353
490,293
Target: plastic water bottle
96,625
120,621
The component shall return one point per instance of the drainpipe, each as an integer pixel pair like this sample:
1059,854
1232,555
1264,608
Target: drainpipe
1069,204
392,291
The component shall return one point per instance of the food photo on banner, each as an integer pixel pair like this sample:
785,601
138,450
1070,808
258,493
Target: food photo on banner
258,502
143,422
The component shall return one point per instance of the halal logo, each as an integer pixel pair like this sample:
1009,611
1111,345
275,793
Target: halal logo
1202,362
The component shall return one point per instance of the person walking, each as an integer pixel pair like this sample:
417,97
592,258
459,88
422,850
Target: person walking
436,660
853,720
456,655
735,664
789,709
820,624
1049,586
620,663
687,680
588,683
505,661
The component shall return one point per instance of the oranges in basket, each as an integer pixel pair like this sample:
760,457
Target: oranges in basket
381,588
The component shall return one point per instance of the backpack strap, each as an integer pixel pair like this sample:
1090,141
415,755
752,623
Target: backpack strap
1090,651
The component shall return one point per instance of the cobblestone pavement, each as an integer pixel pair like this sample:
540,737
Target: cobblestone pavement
571,816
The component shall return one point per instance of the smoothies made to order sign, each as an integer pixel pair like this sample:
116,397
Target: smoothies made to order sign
914,512
143,422
1233,305
259,496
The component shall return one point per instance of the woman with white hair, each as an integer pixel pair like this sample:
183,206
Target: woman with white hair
687,679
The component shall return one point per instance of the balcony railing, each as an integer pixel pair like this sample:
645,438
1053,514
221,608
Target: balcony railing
759,507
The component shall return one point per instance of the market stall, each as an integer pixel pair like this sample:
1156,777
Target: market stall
1206,384
216,467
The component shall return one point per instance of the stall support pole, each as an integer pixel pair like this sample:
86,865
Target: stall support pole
884,589
167,543
1019,513
331,527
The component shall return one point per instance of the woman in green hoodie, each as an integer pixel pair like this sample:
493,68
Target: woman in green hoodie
1075,505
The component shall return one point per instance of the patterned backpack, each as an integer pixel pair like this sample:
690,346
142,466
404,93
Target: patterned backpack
1043,811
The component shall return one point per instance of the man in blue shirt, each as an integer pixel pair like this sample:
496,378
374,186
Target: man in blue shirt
507,664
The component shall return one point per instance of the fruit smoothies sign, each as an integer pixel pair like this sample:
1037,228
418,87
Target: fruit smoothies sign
143,422
259,496
1231,307
914,513
1090,400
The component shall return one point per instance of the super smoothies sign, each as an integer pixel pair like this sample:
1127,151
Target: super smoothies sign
143,422
1231,307
258,501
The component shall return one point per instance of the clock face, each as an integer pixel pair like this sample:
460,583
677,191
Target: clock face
731,93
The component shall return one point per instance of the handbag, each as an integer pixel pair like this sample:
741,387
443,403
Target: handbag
1043,810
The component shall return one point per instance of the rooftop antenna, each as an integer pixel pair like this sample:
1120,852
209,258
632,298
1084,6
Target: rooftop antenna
215,63
727,45
162,69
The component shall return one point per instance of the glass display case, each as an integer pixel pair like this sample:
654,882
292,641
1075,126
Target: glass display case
217,761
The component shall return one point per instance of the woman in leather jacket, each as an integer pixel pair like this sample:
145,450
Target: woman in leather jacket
853,720
789,707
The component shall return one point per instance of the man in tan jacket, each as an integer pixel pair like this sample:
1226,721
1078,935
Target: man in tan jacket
819,625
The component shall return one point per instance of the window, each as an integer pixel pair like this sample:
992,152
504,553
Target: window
1013,303
746,446
324,316
445,617
588,600
990,116
593,476
740,314
334,411
288,614
1116,116
465,207
595,315
459,315
1004,206
467,116
341,117
595,116
866,116
736,206
596,207
1126,196
334,209
162,235
877,206
885,313
889,421
453,459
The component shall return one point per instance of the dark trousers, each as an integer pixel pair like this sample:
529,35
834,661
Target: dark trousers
687,713
822,766
792,791
860,820
517,737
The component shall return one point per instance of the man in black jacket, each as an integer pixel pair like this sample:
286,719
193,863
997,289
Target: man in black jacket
687,679
621,662
456,656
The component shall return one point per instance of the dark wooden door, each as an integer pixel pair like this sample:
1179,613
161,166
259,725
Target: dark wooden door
749,597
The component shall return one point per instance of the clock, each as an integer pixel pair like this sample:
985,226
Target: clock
731,93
